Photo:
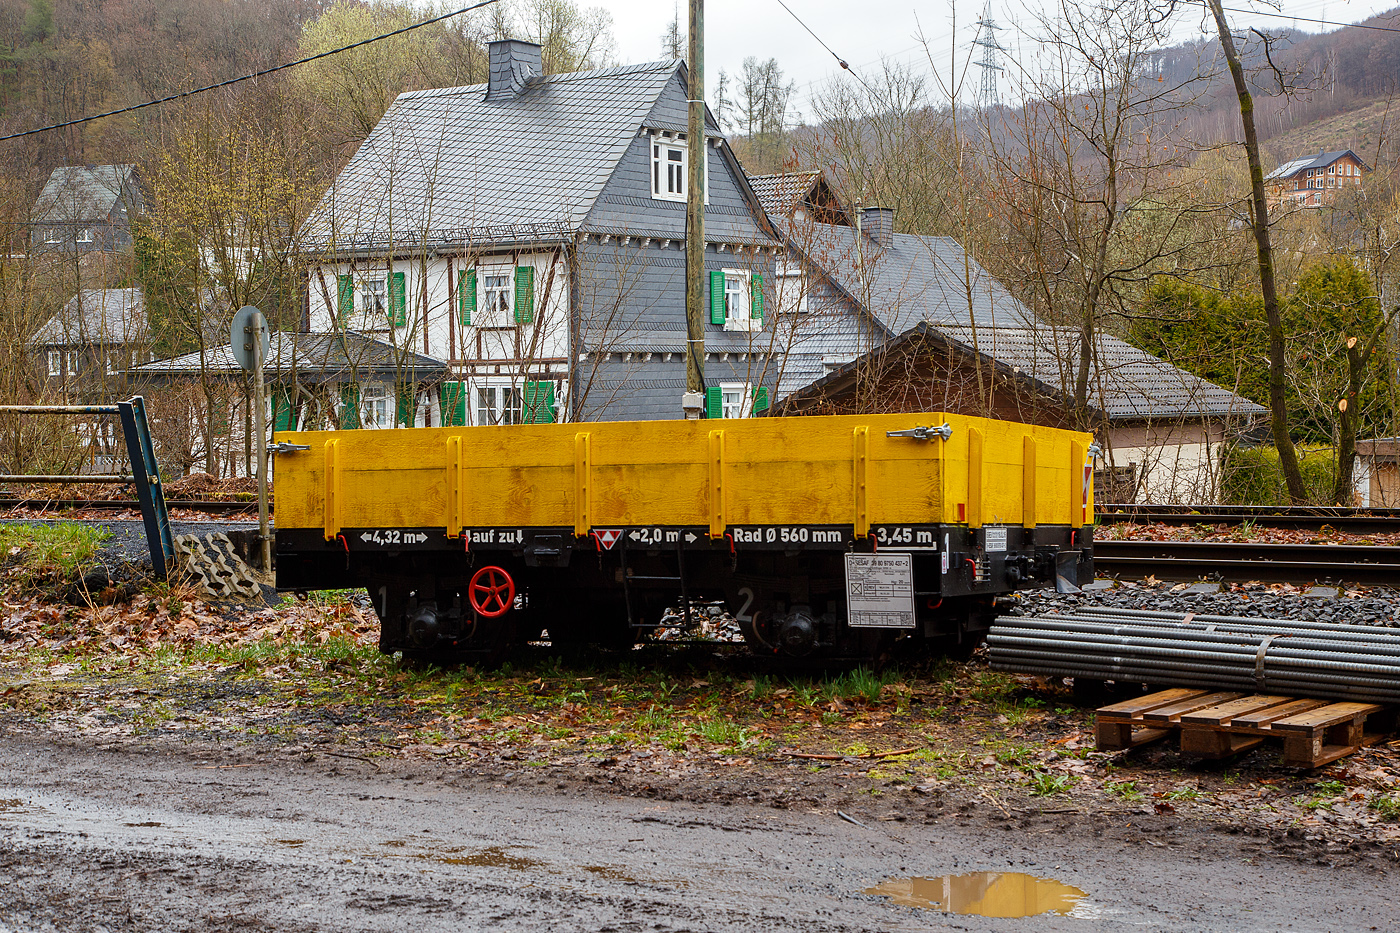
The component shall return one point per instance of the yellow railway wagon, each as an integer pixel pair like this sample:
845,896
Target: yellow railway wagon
822,535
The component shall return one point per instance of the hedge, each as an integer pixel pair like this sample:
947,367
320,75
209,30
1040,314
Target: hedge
1253,476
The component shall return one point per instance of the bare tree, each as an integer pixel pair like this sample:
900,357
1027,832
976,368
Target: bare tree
1278,398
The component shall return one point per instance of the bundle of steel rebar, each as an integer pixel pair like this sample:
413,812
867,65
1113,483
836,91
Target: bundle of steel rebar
1282,656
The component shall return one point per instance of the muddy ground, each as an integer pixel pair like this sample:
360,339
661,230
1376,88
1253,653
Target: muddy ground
143,835
177,765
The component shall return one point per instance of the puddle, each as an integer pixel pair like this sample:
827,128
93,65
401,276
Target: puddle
494,857
988,894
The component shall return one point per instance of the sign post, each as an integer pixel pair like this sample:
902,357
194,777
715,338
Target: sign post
250,341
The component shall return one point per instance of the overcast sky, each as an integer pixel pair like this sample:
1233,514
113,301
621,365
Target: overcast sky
865,31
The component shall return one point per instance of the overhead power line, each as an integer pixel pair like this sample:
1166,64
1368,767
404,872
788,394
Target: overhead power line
257,74
1305,19
839,60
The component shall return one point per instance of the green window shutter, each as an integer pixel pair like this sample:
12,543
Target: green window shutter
283,414
525,295
345,297
453,398
539,403
760,399
717,297
756,304
466,296
350,406
398,300
714,402
406,399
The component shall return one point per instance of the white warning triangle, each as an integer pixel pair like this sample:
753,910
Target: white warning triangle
607,537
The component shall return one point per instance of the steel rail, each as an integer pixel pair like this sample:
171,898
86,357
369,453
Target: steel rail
1299,518
1235,561
109,505
1292,657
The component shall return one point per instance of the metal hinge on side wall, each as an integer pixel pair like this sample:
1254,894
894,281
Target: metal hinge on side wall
924,432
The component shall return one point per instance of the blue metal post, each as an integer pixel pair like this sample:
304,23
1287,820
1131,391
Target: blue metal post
148,486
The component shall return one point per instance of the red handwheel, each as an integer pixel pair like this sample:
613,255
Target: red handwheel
492,592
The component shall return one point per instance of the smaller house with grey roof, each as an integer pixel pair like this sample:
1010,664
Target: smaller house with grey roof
84,351
315,381
874,320
529,232
85,208
1312,181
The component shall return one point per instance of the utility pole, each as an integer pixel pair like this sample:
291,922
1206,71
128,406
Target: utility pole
693,400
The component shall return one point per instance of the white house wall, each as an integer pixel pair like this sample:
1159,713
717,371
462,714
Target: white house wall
477,355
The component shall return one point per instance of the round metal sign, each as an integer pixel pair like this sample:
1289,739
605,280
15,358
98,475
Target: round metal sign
248,322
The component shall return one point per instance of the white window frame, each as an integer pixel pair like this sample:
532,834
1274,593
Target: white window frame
56,363
374,299
738,301
51,235
788,276
378,405
658,159
503,314
85,235
735,399
503,393
661,149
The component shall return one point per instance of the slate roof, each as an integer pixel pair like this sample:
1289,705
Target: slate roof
917,278
310,358
81,192
920,281
1125,383
449,165
1321,160
107,316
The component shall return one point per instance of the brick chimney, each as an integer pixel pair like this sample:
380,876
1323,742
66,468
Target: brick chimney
878,224
512,63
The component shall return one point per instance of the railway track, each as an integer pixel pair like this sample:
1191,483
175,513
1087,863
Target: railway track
1166,560
1300,518
1240,562
212,506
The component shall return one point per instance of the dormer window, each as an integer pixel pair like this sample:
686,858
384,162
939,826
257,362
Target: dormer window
668,169
670,166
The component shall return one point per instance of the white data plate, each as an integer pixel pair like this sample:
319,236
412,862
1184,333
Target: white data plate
880,590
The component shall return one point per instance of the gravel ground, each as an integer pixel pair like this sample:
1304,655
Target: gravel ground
1363,606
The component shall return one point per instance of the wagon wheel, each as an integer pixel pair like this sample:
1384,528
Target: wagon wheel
491,592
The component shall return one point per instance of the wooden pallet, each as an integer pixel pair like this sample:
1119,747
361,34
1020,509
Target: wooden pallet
1217,725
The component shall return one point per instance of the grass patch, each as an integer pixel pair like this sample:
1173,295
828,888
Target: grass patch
65,549
1387,805
1045,784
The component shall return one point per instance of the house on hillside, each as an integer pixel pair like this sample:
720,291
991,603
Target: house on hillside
81,356
877,320
1312,181
529,233
86,208
83,352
